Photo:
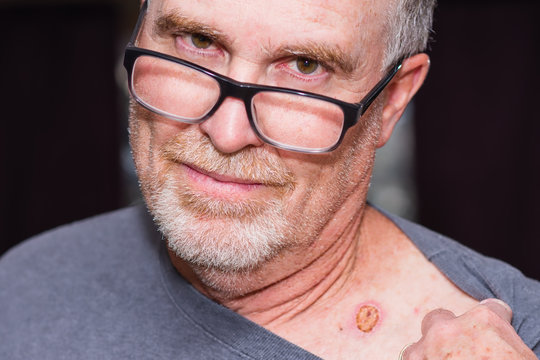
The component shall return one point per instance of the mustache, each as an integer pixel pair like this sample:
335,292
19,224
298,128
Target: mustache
253,164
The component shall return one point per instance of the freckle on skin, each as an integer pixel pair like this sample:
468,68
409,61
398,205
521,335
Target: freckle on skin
367,317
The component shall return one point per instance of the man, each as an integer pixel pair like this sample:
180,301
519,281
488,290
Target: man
254,162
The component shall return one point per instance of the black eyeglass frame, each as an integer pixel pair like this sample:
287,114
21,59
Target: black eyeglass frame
246,91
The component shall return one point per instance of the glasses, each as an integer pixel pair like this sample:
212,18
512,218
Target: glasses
285,118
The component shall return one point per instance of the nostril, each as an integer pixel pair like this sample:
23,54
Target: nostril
229,128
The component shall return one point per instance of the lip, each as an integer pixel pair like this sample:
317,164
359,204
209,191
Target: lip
219,185
220,177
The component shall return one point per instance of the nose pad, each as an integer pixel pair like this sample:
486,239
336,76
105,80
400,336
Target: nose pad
229,128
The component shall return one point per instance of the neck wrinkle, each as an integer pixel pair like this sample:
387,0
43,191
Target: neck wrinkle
327,276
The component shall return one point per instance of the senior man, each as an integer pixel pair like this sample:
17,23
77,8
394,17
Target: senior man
254,126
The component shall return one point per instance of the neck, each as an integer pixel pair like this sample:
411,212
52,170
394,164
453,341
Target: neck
300,281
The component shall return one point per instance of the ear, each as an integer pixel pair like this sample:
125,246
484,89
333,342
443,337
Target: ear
400,92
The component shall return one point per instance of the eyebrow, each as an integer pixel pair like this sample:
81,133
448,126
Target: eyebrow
175,22
326,55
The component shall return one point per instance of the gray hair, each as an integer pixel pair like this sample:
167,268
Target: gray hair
408,29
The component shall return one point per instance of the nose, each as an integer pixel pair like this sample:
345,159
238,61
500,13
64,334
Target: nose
229,128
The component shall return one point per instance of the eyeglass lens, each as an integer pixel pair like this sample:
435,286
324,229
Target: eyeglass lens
186,94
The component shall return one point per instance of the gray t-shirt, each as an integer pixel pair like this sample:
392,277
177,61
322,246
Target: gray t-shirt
104,288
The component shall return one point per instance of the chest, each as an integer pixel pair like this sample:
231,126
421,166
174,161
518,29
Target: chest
377,325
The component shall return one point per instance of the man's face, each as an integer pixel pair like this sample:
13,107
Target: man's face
222,198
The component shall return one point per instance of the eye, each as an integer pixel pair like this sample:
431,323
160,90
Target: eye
307,66
201,41
196,47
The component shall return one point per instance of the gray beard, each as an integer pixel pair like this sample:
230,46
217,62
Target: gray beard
225,242
235,238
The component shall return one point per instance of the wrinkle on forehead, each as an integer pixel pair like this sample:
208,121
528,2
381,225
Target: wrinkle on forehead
371,17
354,27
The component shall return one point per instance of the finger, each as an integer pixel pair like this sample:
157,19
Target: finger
499,307
435,316
406,351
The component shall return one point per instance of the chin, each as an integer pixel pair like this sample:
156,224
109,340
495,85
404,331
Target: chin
218,235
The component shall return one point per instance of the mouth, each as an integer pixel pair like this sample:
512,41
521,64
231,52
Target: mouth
220,177
220,185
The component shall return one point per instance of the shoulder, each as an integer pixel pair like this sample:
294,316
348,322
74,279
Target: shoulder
481,277
80,237
79,249
64,291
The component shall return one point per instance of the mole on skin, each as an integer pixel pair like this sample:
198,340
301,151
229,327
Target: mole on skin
366,318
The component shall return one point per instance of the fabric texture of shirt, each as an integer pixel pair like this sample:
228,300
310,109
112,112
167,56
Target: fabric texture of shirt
104,288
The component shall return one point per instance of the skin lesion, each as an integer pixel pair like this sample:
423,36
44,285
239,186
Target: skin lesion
366,318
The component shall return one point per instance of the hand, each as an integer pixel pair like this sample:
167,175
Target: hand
483,332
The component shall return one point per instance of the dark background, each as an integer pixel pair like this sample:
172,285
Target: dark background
478,129
62,129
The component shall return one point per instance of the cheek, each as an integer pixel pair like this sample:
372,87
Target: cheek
139,139
347,166
339,181
148,134
325,182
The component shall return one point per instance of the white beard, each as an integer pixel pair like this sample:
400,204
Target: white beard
241,238
212,233
225,237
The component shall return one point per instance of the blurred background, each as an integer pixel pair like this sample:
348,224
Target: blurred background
464,160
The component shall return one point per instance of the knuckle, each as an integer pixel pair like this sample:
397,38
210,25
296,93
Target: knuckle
414,351
483,315
436,316
443,329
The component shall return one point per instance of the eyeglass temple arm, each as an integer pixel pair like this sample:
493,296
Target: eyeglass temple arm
138,25
372,95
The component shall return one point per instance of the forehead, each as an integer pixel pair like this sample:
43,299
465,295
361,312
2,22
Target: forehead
353,25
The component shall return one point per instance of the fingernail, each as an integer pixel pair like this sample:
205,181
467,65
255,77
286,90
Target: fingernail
497,301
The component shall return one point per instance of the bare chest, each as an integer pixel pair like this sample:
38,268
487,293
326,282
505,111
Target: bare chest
381,307
377,325
396,324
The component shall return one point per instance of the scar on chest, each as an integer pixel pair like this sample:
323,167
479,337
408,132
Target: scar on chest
367,317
